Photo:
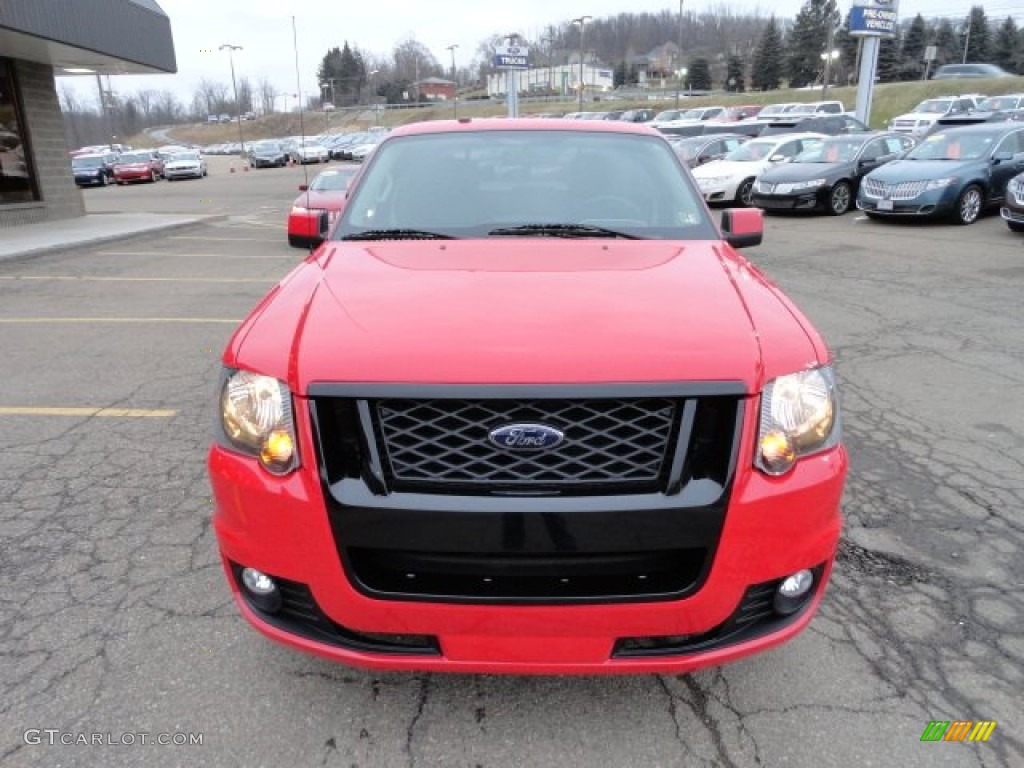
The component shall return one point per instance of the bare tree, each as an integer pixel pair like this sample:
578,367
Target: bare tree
266,95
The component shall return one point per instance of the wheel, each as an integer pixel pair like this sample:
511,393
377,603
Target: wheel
1015,226
839,199
744,192
610,207
969,205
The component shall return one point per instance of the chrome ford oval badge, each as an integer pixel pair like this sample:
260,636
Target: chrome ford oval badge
525,437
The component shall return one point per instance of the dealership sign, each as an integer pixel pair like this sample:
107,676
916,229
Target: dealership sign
512,57
874,18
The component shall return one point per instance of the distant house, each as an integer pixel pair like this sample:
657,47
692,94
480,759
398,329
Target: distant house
434,89
660,61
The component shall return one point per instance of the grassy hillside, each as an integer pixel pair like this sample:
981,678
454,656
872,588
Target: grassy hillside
890,99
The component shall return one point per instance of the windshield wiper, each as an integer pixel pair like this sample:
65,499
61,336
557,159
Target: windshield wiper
397,234
561,230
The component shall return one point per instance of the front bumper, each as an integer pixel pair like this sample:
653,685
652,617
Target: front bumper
803,201
183,173
936,202
89,180
145,175
1012,214
286,527
719,193
268,162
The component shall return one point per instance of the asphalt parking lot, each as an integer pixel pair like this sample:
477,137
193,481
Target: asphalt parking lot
117,619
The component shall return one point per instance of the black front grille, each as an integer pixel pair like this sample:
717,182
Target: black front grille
523,579
444,443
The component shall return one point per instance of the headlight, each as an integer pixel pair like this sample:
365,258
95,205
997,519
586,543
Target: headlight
940,183
799,417
812,184
256,416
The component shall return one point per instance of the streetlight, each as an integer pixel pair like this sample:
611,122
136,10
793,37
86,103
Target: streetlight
680,52
238,107
373,94
582,21
681,74
828,57
455,93
327,112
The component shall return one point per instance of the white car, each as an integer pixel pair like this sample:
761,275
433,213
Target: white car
921,118
696,115
731,179
311,151
185,165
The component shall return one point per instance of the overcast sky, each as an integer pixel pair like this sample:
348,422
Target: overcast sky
264,29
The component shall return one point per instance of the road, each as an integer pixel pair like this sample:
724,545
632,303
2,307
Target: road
117,619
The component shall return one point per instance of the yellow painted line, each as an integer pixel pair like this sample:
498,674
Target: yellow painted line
92,279
129,413
28,320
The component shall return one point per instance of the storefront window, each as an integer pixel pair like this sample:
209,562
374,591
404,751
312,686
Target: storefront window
17,182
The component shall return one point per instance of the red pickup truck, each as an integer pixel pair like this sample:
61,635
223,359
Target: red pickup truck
527,410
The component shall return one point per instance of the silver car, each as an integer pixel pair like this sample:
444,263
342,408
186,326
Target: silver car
185,165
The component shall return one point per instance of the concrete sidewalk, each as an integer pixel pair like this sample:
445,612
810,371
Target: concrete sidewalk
34,239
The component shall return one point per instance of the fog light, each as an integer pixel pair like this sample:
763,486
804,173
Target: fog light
793,592
261,590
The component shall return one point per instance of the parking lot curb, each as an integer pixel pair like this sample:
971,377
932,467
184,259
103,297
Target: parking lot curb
92,240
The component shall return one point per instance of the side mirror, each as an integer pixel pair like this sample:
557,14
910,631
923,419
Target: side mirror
776,158
303,187
743,227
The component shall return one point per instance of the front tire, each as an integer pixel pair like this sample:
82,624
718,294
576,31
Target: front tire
839,199
969,205
744,193
1015,227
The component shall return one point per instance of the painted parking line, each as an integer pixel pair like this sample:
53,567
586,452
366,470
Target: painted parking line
121,413
99,320
220,256
220,239
93,279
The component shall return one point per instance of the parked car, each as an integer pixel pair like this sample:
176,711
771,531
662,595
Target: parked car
818,108
362,150
832,125
662,118
994,110
185,165
640,472
637,115
957,173
266,154
95,169
317,208
826,177
921,118
1013,207
733,114
972,71
731,179
697,150
772,111
310,151
212,119
695,115
225,118
138,166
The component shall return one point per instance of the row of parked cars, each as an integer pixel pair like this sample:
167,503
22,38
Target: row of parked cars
116,164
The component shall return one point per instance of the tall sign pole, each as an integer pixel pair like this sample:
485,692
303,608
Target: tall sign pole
872,20
512,58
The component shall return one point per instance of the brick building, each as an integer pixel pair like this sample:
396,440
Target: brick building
38,40
434,89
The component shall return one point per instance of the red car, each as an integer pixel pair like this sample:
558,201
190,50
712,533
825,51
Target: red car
317,208
528,411
138,166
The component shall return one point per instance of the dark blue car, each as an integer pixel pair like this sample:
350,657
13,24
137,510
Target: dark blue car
956,173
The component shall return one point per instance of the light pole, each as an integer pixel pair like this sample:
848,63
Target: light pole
373,95
828,57
582,21
455,93
238,107
680,50
327,112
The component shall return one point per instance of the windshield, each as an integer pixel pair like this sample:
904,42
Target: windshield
333,180
135,157
751,151
688,149
831,151
266,146
999,102
86,162
186,156
934,106
495,181
954,146
692,114
803,109
668,114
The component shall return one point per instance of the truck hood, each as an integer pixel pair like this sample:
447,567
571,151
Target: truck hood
525,311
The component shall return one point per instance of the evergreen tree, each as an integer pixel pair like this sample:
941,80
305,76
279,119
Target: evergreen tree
735,79
768,59
945,42
888,70
974,35
914,42
847,45
809,39
1007,50
698,75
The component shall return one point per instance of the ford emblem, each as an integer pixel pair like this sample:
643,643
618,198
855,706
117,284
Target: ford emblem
525,437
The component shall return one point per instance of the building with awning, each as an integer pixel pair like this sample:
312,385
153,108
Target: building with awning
41,39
